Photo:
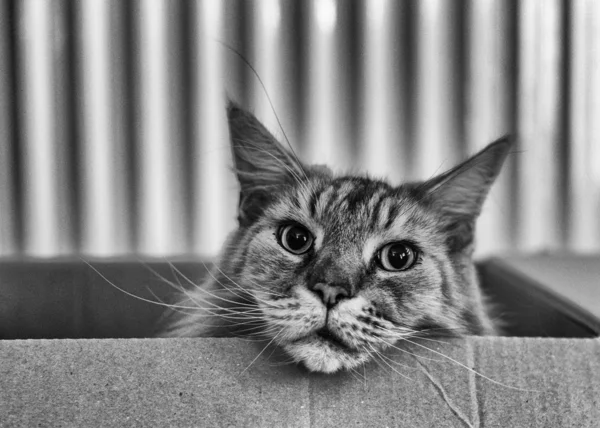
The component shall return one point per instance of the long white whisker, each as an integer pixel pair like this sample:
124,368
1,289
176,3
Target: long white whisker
470,369
133,295
410,353
204,290
179,287
261,352
265,289
377,353
396,362
170,306
214,278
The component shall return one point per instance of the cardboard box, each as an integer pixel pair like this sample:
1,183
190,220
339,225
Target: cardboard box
521,382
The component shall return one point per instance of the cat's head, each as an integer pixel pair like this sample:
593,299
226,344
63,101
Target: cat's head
342,267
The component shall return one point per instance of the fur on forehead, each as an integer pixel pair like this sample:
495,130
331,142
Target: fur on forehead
369,212
266,169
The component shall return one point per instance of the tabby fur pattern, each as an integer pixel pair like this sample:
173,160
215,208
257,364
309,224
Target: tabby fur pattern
334,307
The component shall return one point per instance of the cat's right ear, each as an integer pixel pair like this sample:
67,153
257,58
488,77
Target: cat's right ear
262,165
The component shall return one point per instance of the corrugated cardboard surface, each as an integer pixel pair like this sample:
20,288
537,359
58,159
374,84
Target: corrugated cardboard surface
214,382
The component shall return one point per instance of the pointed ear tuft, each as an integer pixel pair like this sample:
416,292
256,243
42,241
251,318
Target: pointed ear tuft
262,164
459,193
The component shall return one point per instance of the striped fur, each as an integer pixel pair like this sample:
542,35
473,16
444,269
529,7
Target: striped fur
258,289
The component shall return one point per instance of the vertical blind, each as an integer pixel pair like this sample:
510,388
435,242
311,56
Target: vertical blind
113,137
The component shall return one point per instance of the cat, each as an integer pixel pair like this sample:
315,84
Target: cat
335,269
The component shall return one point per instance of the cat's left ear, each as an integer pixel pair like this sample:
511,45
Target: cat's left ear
459,193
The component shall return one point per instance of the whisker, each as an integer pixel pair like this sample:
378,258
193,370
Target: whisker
214,278
377,353
131,294
261,352
396,362
471,370
266,290
410,353
158,299
245,297
356,375
190,295
235,316
417,333
204,290
179,287
193,284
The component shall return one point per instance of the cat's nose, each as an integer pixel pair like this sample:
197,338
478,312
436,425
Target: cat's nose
330,294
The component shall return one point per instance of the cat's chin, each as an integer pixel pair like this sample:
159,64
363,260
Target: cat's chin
325,356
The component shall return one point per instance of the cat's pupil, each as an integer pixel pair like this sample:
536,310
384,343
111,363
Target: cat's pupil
399,256
297,238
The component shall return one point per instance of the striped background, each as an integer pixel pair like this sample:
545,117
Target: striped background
113,138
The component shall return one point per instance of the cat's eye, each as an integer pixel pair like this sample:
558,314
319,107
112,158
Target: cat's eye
295,238
397,256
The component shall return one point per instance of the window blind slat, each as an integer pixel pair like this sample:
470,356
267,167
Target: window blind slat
383,118
327,138
8,204
104,181
162,225
539,124
437,100
584,167
47,221
215,195
488,111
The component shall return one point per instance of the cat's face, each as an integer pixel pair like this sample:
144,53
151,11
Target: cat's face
343,267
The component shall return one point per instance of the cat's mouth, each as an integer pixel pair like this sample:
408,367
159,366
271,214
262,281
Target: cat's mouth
328,336
325,351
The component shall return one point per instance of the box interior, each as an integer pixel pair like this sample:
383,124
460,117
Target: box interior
70,298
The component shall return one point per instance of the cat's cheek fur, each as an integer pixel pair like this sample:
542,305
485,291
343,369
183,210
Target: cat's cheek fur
359,323
294,317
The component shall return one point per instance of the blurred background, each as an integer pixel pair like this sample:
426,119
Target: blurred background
113,138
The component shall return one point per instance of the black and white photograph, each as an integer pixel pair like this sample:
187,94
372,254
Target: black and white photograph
300,213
